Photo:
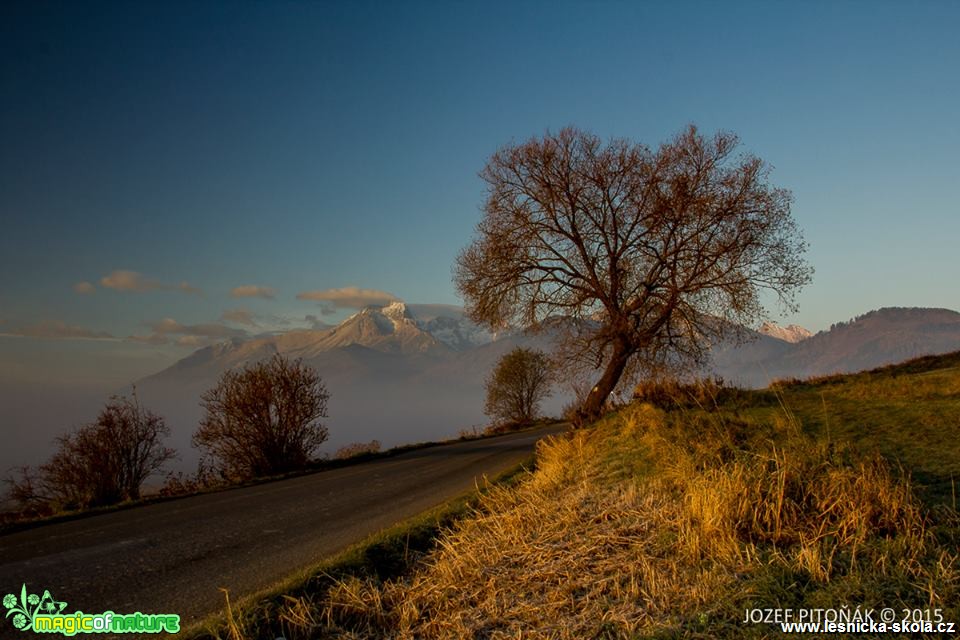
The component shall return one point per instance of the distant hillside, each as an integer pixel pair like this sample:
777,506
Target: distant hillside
874,339
403,373
672,517
791,333
398,374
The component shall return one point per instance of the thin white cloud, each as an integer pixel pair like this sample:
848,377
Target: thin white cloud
316,323
124,280
253,291
84,288
207,330
169,331
349,297
239,316
186,287
57,330
153,338
135,282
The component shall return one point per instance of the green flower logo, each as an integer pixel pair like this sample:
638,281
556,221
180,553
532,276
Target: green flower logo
28,606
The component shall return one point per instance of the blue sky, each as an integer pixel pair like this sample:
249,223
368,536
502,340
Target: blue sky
167,154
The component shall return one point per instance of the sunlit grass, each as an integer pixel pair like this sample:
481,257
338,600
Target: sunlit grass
672,520
909,413
293,606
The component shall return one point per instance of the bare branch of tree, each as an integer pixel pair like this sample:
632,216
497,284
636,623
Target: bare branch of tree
100,463
263,419
517,385
660,253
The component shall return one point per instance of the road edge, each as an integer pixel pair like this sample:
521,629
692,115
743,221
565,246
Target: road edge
317,466
386,554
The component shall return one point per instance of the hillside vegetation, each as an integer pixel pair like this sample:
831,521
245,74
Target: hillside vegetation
673,516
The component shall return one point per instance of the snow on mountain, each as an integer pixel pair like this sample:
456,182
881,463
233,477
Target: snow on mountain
399,373
791,333
428,330
396,312
446,323
875,339
403,373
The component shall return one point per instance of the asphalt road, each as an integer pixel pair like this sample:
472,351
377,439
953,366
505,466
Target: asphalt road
174,556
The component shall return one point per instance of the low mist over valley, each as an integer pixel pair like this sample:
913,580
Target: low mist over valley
444,320
406,373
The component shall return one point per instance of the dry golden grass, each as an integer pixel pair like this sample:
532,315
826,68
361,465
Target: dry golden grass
590,547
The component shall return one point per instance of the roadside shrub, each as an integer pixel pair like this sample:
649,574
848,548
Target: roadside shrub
263,419
180,483
678,550
470,434
101,463
355,449
504,427
703,393
516,387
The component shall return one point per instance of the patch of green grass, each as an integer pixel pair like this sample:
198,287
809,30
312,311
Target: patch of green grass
670,521
909,413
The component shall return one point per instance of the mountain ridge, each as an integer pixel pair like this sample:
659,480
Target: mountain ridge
791,333
391,378
877,338
872,339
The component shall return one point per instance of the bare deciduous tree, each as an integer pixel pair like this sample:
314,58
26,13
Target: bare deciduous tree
263,419
653,254
101,463
517,385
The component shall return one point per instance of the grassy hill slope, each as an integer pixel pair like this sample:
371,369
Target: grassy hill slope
672,517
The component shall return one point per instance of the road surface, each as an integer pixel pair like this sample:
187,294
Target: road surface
174,556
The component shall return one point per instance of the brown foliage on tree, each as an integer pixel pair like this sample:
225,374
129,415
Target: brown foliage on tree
263,419
652,254
517,385
104,462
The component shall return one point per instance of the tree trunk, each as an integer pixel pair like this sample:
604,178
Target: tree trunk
593,406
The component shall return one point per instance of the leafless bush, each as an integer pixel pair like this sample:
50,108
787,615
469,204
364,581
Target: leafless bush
517,385
263,419
470,434
101,463
670,393
179,484
355,449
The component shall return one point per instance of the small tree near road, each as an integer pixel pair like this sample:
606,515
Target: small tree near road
101,463
517,385
263,419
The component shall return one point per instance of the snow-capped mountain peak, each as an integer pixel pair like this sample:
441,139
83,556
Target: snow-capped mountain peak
396,311
791,333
